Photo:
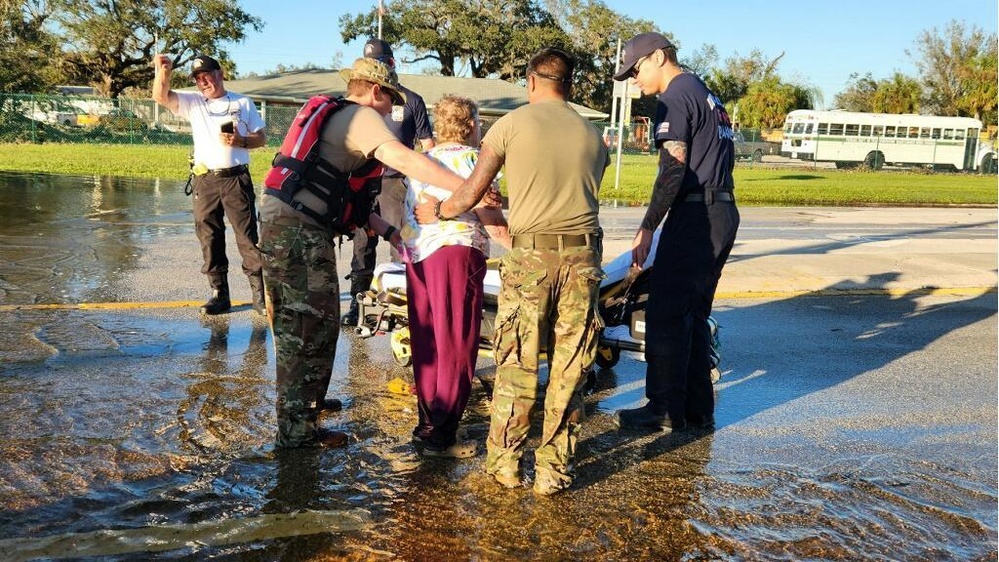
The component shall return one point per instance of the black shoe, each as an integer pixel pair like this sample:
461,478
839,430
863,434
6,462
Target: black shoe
218,304
331,405
331,438
701,422
646,418
257,294
350,318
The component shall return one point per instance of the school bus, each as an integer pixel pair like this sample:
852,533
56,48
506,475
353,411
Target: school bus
849,139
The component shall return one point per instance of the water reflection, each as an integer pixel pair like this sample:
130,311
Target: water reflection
130,430
71,239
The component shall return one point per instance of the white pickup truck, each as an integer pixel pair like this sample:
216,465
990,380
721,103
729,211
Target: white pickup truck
64,118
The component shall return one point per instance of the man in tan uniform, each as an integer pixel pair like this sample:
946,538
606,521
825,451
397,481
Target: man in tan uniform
555,161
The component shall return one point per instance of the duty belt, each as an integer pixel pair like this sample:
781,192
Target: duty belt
554,241
716,195
227,172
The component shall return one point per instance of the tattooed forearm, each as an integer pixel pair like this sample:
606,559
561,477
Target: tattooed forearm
472,190
672,167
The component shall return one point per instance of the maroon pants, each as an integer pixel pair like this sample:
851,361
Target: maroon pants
445,317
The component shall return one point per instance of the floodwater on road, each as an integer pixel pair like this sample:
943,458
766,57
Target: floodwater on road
848,428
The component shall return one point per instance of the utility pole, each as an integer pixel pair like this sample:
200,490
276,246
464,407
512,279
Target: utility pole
381,11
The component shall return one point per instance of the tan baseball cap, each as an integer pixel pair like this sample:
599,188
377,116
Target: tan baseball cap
376,72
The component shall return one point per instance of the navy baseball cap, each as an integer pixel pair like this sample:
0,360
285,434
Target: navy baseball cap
637,47
380,50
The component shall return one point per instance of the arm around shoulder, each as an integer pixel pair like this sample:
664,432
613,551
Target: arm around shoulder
415,165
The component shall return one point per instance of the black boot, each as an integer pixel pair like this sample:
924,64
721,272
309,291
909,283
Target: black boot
219,302
648,417
257,293
357,285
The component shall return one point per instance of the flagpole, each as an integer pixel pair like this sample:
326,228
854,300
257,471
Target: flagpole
381,10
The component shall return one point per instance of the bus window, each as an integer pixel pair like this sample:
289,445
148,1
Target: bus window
936,133
836,129
959,134
890,131
865,130
808,128
787,127
823,128
913,132
799,128
924,133
948,134
852,130
878,131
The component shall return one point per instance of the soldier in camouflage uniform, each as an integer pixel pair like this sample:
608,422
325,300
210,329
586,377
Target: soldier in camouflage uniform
300,277
555,161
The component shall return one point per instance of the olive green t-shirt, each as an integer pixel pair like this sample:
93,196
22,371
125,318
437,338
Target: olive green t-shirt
348,141
555,161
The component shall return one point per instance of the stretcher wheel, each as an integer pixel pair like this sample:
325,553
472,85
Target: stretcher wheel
607,356
401,350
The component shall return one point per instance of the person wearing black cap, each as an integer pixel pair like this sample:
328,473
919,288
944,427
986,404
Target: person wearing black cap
554,161
695,186
225,126
409,122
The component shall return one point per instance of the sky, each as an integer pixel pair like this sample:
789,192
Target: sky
823,41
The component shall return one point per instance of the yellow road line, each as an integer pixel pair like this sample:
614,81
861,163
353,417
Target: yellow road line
108,305
163,538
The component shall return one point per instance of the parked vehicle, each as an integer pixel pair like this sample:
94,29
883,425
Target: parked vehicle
116,119
752,149
122,120
64,118
850,139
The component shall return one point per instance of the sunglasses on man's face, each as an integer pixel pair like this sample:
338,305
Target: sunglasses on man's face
638,65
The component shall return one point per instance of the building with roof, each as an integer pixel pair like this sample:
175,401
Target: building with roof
494,97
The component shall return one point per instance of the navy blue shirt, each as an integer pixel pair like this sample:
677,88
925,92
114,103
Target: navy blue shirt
689,112
409,122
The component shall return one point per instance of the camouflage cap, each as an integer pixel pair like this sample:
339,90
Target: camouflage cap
376,72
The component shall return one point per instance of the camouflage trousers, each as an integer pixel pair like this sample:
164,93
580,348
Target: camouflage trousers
548,300
303,304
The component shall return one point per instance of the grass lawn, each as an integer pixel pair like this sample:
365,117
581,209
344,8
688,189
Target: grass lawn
756,184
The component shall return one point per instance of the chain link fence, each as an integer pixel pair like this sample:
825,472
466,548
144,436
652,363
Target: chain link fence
38,118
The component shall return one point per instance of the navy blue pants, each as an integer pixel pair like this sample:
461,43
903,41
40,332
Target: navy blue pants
693,248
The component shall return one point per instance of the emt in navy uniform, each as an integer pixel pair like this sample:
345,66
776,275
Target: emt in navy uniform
408,122
694,184
225,126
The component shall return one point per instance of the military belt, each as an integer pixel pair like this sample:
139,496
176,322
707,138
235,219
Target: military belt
553,241
283,221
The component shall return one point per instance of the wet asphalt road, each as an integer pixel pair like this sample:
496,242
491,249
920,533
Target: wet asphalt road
856,419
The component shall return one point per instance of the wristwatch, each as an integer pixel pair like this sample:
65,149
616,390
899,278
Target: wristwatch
387,235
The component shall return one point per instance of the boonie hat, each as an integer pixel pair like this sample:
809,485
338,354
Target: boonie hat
637,47
381,50
204,63
377,72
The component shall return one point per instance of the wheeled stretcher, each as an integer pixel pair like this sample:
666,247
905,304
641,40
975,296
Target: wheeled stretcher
623,294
